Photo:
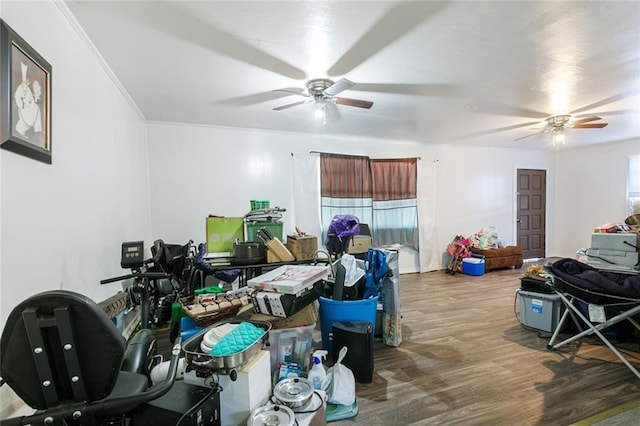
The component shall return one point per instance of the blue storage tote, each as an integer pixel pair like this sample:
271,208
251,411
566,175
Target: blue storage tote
345,310
473,265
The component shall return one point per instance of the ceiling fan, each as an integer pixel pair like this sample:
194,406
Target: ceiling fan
556,124
323,92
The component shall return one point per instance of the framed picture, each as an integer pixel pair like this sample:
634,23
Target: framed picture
25,98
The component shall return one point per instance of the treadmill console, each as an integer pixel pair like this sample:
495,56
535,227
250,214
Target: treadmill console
132,255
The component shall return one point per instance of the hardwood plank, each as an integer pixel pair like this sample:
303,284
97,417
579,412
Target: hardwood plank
465,359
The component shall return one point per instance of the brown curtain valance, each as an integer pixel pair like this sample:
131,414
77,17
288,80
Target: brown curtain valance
345,176
394,179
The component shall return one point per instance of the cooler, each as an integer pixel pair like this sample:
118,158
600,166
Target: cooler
540,311
473,265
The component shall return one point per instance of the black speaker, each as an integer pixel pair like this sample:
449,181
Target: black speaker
357,336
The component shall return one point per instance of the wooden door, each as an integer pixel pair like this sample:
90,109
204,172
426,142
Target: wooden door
531,196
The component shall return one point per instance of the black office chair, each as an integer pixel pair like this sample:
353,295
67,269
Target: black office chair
62,355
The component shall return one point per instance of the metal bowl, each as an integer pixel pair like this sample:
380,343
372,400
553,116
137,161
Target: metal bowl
633,220
277,415
293,392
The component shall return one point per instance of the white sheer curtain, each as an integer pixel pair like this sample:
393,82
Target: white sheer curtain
306,194
430,252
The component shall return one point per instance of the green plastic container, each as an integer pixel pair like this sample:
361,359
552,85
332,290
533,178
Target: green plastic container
260,204
208,290
253,227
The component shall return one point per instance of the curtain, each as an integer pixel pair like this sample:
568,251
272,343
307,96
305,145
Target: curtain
345,188
381,193
430,249
395,211
305,200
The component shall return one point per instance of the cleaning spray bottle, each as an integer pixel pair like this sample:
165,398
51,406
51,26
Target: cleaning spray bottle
317,373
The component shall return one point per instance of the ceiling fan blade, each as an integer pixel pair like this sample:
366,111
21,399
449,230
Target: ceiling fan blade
398,21
292,105
253,99
443,90
497,130
612,112
496,108
353,102
589,126
586,120
337,87
199,31
606,101
532,134
293,90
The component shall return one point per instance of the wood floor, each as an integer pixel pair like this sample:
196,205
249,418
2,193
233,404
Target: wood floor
465,359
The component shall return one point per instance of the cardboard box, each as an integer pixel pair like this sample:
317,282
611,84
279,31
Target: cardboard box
392,329
359,244
302,247
222,232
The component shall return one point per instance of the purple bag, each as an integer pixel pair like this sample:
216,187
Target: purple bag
344,225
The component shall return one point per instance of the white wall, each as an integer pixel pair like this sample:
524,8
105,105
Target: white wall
62,224
592,185
197,170
477,186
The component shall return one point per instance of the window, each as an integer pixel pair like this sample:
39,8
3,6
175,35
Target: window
381,193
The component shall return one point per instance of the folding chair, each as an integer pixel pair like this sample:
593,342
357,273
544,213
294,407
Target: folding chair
621,307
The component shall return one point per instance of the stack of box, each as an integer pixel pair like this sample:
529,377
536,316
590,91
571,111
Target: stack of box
614,250
286,298
285,290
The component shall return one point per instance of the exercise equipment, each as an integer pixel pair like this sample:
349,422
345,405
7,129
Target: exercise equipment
62,355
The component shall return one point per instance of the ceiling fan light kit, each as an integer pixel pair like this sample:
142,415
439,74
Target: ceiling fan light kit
557,136
556,124
323,91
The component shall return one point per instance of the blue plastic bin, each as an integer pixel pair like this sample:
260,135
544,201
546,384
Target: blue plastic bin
473,265
345,310
188,328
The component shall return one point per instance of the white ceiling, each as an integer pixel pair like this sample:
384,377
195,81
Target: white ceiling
471,72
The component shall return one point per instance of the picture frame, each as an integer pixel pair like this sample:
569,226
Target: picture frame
25,98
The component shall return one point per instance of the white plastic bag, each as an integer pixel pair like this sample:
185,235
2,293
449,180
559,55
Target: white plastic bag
339,383
352,272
